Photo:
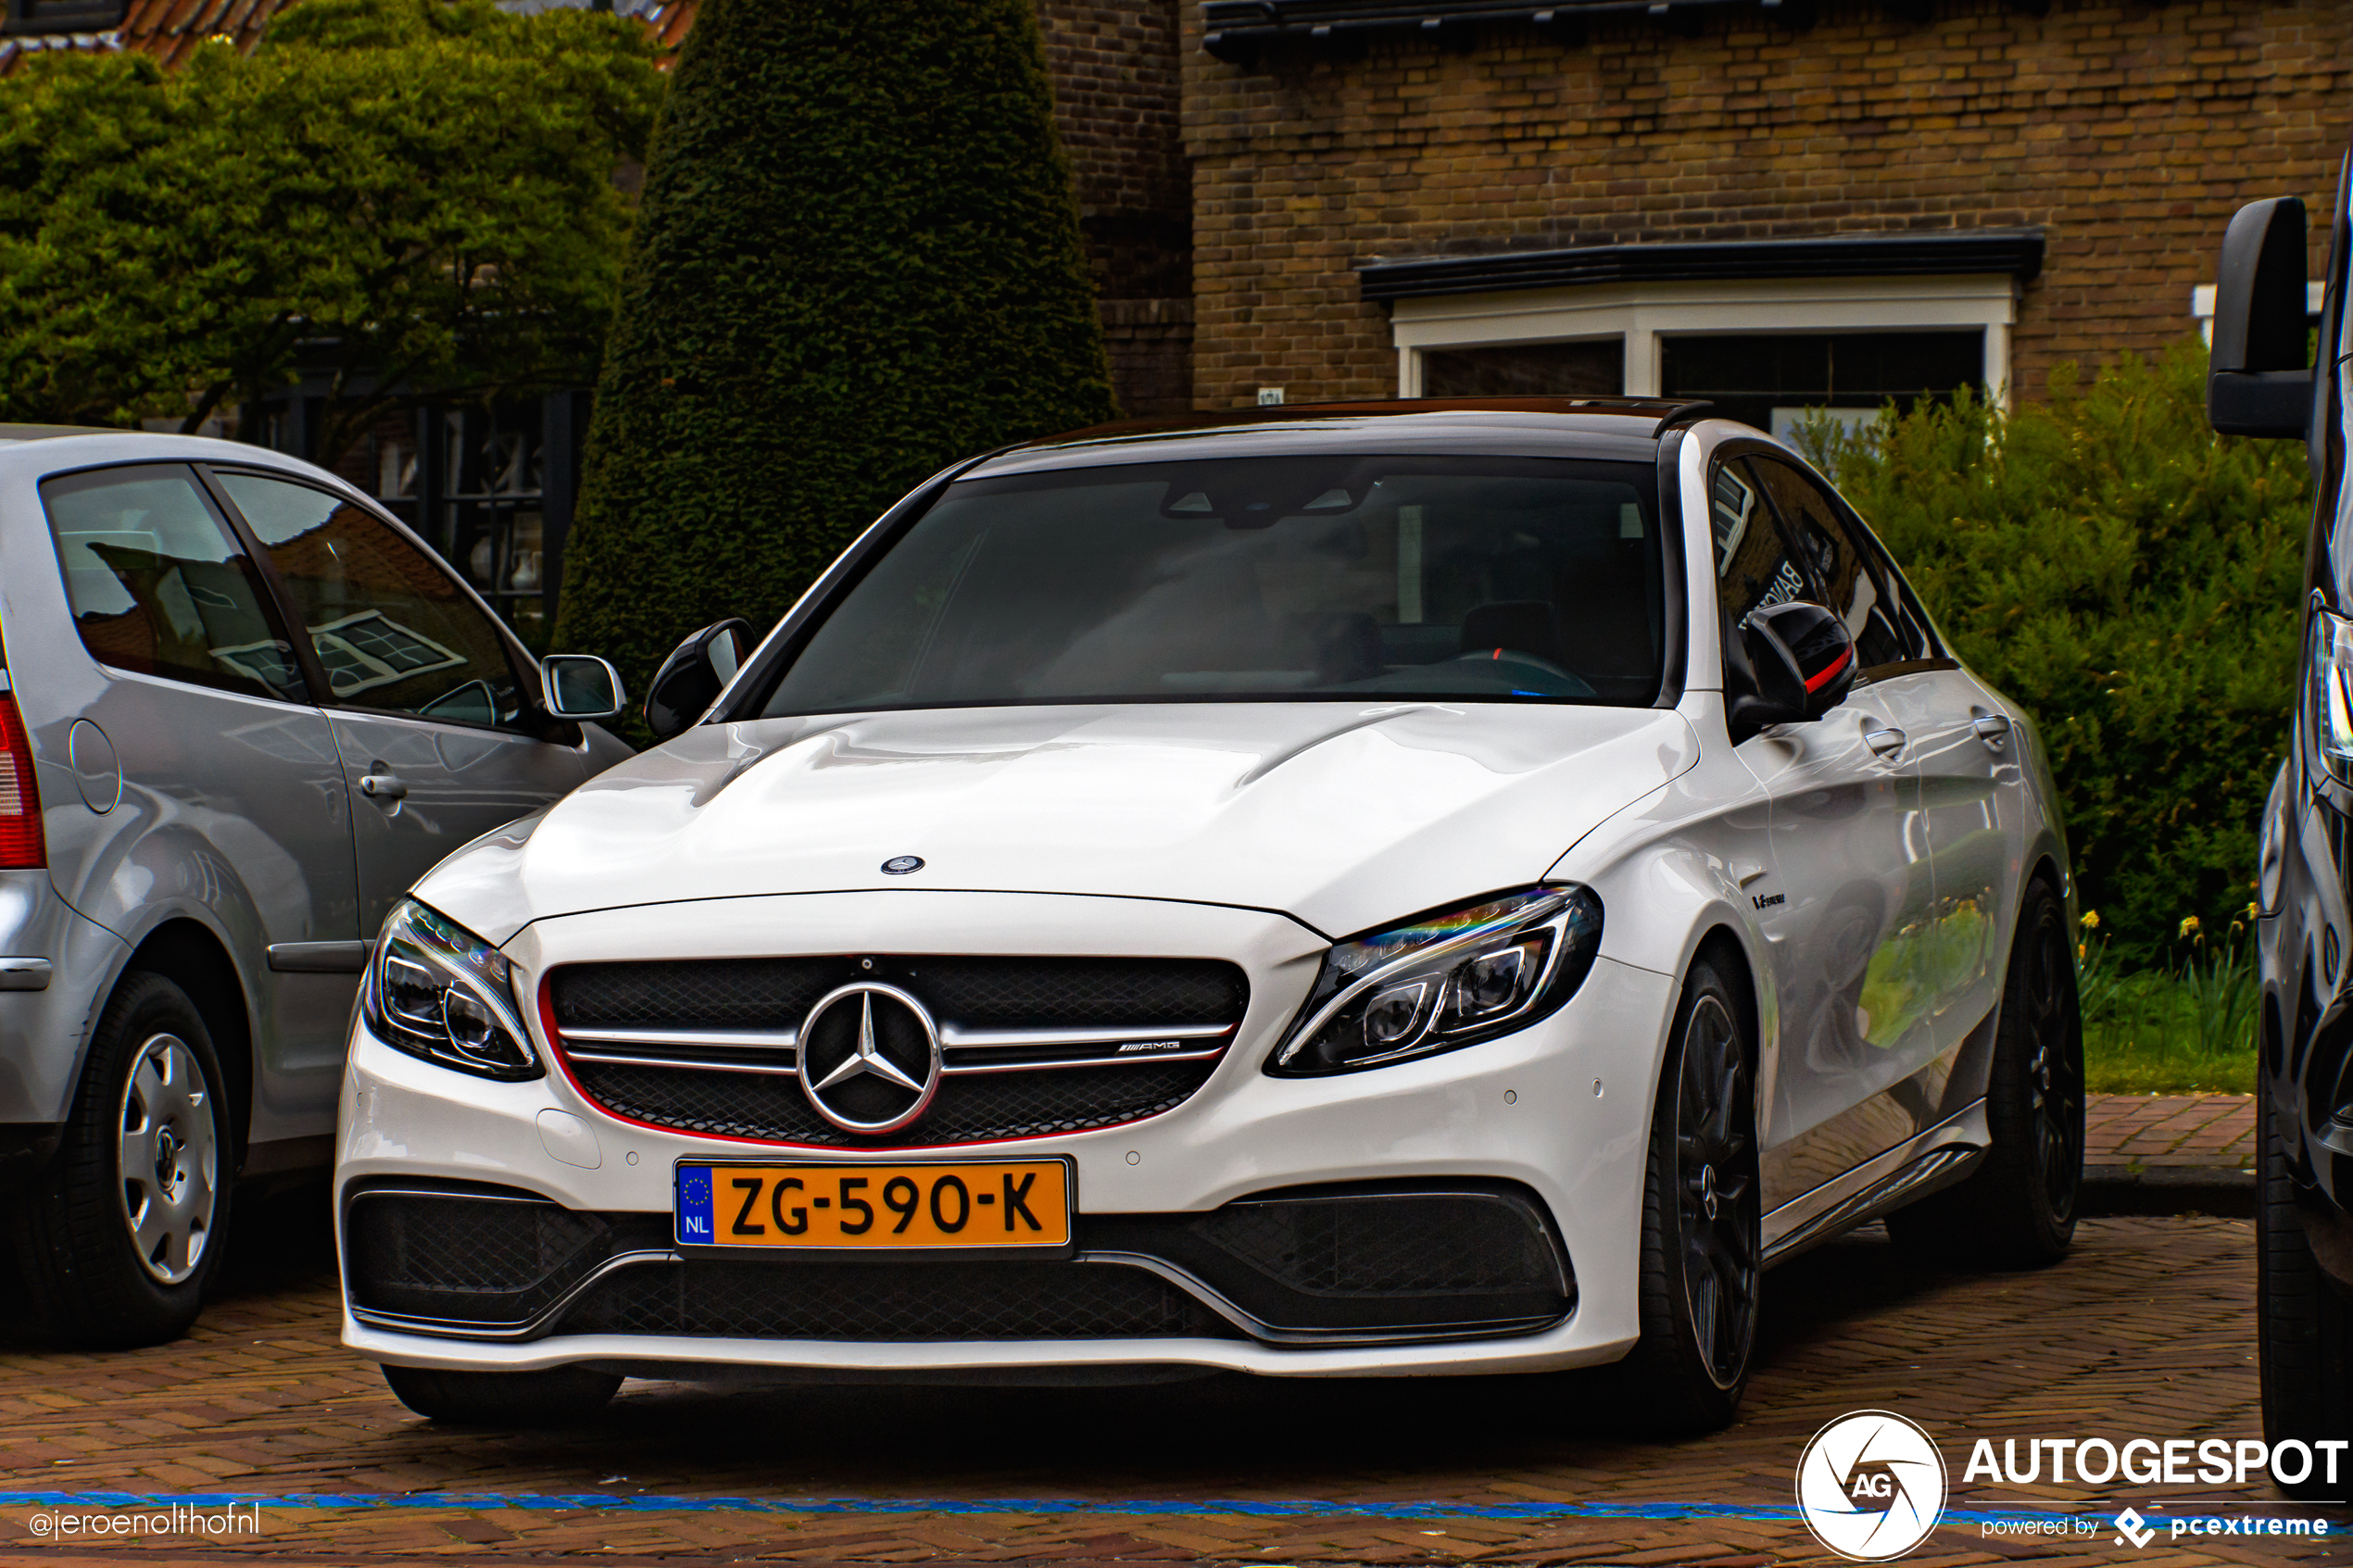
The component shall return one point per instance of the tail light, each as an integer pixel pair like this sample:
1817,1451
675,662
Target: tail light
21,846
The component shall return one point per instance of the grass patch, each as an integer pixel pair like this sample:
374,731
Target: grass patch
2188,1029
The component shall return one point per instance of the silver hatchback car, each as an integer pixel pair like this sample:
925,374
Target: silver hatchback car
242,710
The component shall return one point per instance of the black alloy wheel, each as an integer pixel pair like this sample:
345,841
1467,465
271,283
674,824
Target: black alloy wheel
2055,1061
2303,1325
2017,1209
1714,1160
1703,1253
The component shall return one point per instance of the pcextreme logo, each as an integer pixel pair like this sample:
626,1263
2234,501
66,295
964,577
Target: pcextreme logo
1870,1486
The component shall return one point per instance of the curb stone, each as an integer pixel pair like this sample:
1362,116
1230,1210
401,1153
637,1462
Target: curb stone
2176,1190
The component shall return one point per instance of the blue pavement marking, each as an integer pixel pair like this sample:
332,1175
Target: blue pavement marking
1249,1507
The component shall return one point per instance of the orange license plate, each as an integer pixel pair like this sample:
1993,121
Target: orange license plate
979,1203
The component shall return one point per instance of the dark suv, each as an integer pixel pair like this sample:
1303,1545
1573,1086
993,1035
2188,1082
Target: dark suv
2260,384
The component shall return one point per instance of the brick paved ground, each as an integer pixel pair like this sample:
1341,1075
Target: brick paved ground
2146,1329
2151,1132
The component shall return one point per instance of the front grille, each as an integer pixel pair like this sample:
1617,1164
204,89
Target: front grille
709,1045
996,993
726,993
1003,1105
896,1301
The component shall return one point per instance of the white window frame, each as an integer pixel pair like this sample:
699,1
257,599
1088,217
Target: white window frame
1641,315
2202,308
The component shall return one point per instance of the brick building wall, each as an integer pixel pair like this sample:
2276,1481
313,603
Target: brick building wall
1118,84
2128,132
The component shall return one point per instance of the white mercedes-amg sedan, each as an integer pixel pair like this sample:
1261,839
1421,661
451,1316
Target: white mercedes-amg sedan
1378,889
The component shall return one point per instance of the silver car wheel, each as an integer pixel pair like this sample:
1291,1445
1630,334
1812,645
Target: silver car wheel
169,1157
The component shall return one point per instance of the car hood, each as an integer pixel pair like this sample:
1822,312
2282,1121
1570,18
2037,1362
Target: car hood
1342,816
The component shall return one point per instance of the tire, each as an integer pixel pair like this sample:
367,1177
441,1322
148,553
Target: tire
118,1238
503,1398
2016,1209
2303,1327
1701,1263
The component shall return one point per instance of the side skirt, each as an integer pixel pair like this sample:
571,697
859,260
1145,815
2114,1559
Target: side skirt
1941,1155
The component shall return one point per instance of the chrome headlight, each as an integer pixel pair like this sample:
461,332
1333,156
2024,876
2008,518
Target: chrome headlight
2328,694
436,990
1443,980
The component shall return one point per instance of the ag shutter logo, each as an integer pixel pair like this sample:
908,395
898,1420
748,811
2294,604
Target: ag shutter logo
1870,1486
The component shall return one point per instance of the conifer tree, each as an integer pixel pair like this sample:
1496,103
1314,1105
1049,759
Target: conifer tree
857,259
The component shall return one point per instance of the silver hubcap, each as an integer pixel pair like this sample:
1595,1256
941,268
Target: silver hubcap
169,1159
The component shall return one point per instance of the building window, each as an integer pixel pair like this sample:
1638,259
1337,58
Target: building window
1769,331
1774,380
27,17
1595,367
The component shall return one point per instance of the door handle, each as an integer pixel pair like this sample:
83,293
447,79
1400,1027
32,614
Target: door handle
1993,729
1884,742
384,786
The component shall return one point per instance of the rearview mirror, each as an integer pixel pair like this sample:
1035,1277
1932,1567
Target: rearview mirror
693,674
1802,659
580,685
2257,383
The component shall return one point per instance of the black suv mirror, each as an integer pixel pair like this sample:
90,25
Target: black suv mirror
1801,659
580,685
2257,383
693,675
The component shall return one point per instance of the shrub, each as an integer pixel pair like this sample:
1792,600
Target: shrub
857,258
2132,580
415,195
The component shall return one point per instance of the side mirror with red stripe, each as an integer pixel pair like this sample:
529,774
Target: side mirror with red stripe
1803,661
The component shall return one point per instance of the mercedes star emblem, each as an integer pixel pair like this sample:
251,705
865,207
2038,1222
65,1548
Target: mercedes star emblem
899,865
869,1057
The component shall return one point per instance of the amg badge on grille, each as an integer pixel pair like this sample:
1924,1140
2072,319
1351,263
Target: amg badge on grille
869,1057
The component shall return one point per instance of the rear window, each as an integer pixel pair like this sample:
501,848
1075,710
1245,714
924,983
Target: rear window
1471,578
157,586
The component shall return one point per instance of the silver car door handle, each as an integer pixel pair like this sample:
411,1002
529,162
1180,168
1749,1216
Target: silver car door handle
1883,743
1993,729
384,786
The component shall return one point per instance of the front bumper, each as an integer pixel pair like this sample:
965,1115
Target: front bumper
1555,1119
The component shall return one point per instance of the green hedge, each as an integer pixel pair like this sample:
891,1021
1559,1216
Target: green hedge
2132,579
857,258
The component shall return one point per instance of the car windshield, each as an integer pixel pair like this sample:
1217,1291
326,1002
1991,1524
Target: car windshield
1475,578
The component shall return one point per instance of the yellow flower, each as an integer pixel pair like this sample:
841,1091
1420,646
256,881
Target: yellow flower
2082,951
2253,912
2189,925
2090,921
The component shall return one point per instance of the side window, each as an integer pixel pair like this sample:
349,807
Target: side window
392,628
1911,622
157,586
1753,564
1848,583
